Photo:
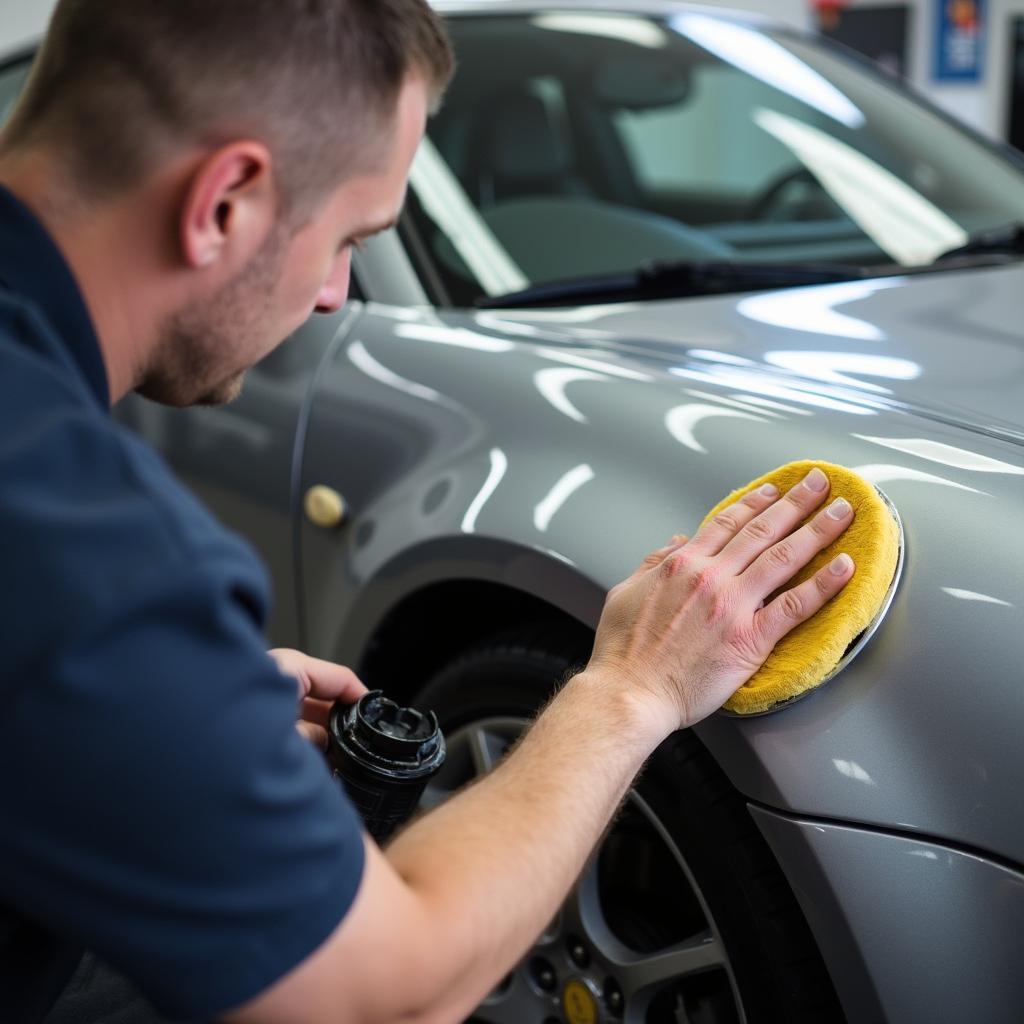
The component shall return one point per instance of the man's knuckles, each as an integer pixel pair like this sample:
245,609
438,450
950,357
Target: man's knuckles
781,556
728,520
761,529
790,606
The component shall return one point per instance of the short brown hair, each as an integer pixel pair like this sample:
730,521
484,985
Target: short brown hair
123,83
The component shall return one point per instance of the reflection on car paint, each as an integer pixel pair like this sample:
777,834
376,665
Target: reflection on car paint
562,491
362,359
852,770
458,336
766,403
789,390
575,358
815,309
683,420
880,473
834,367
708,355
947,454
972,595
738,402
552,382
499,466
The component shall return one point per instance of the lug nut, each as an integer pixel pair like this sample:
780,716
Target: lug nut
613,997
543,974
578,952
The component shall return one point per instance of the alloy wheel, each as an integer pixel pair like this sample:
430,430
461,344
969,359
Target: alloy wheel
633,943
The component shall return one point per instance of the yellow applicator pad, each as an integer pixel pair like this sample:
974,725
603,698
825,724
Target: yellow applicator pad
805,657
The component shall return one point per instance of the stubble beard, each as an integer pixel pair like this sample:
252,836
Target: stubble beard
204,351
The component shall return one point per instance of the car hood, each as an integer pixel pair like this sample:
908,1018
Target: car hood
948,345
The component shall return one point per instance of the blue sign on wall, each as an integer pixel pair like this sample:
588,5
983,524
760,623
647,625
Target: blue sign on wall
959,40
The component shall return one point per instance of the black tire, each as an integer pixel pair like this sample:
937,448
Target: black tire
777,971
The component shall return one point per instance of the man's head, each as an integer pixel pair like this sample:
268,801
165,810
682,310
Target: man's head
268,134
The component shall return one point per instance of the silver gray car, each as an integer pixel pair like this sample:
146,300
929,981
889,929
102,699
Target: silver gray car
651,252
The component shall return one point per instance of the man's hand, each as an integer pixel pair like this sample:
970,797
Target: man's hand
321,683
692,625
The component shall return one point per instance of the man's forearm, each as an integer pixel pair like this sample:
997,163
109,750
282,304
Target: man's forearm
493,864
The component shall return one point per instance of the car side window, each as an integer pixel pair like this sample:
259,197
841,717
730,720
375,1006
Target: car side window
12,81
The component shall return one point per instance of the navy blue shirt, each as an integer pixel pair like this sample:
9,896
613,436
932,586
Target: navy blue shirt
157,805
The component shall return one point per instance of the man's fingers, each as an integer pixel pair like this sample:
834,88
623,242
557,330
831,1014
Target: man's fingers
316,734
776,522
714,535
789,609
318,678
331,682
780,563
316,711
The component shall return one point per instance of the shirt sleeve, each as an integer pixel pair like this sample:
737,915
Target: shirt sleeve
158,802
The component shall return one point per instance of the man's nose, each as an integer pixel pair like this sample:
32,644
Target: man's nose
335,289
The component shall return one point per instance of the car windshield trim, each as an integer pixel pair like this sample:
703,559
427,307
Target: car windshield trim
720,277
660,279
1006,239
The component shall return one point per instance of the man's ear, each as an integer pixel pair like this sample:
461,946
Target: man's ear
229,206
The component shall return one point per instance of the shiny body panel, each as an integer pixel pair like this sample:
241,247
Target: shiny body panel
469,466
938,939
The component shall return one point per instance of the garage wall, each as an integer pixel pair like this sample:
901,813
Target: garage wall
983,105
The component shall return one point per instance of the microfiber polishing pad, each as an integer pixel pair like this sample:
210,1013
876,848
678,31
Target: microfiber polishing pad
808,655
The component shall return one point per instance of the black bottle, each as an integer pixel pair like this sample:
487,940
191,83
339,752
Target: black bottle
385,755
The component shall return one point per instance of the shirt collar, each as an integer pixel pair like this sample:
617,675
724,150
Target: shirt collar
33,267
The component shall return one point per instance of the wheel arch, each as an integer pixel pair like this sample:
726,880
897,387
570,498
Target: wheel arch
483,608
438,599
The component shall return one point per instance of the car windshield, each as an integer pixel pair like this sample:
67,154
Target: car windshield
574,144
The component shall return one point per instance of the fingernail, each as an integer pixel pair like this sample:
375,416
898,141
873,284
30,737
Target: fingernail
816,480
768,490
841,565
839,509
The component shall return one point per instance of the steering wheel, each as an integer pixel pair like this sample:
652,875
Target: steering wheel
769,196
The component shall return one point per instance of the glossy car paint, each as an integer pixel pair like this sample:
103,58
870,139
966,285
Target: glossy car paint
551,456
922,932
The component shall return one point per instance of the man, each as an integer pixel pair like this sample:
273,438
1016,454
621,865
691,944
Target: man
183,183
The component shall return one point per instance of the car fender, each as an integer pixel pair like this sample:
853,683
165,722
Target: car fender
470,464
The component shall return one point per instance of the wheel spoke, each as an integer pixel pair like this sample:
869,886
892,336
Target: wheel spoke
581,912
639,972
485,749
514,1006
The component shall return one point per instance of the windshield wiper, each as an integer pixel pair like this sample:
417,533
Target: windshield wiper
1009,239
663,279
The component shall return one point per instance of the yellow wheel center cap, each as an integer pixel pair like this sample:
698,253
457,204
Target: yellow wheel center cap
578,1003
